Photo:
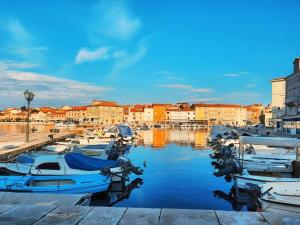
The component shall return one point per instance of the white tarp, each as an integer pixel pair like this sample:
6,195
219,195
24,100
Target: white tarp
271,141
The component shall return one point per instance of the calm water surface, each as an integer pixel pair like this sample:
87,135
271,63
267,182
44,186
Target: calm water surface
178,172
177,175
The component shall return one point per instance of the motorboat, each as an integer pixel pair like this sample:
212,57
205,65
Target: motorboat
281,192
56,148
241,180
69,164
62,184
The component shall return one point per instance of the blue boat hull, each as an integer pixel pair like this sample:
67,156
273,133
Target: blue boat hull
73,184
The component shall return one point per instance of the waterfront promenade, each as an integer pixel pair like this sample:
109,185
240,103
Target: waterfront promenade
86,215
15,144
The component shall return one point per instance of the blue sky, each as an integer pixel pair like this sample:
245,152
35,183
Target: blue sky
70,52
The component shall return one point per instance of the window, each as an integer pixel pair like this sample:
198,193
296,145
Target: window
48,166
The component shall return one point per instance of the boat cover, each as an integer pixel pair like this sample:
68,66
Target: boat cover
125,131
82,162
24,159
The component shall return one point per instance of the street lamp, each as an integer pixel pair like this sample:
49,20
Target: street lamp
29,97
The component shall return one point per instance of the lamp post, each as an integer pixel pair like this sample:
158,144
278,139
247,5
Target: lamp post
29,97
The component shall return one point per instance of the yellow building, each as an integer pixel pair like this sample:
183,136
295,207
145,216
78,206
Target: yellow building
221,114
104,112
77,113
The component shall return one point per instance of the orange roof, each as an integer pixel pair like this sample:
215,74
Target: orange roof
59,112
218,105
137,108
76,108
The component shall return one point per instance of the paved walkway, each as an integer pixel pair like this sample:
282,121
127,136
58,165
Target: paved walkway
36,141
85,215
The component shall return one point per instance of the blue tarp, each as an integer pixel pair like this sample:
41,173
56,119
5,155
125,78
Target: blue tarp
24,159
82,162
125,131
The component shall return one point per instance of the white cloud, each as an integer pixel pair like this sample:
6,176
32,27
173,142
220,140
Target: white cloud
105,52
11,64
21,42
235,74
186,87
113,19
206,100
250,85
46,88
231,75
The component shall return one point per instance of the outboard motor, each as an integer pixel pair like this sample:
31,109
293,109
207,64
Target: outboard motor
232,168
128,166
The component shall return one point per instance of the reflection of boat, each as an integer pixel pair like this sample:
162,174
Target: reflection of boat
116,192
75,184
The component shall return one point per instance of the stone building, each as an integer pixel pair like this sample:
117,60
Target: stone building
104,112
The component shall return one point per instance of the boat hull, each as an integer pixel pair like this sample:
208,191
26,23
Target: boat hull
55,184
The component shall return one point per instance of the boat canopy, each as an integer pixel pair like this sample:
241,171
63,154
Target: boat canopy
124,130
82,162
271,141
24,159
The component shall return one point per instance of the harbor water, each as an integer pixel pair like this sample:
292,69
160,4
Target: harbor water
177,173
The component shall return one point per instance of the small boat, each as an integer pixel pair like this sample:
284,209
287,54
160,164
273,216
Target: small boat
69,164
241,180
57,148
70,184
281,192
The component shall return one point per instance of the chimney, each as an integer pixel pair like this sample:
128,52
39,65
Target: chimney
296,65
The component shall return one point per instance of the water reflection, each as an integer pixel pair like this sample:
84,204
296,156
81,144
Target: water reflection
159,138
117,192
19,128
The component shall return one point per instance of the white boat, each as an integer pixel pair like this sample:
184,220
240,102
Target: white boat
278,158
68,164
281,192
241,180
57,148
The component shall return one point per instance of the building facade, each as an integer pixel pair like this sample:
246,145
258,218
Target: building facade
221,114
104,112
291,120
77,113
159,113
278,102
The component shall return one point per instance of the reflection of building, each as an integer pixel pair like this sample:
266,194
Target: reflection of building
104,112
159,138
201,138
221,113
278,101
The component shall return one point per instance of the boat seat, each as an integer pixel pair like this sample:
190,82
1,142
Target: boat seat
82,162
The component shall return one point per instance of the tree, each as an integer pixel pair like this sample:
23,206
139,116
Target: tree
23,108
